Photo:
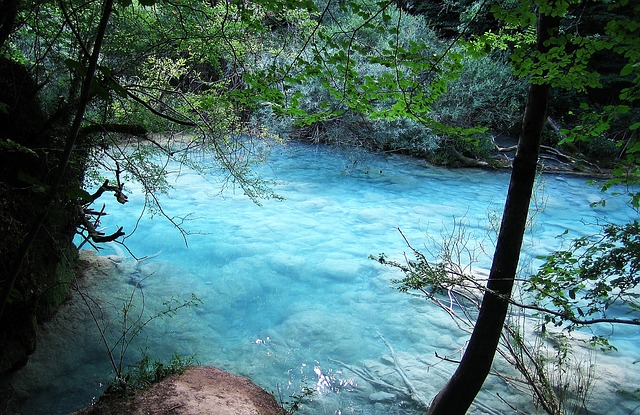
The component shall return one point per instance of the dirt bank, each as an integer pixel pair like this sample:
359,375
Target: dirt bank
200,390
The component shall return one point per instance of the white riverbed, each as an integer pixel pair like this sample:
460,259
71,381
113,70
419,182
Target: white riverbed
290,297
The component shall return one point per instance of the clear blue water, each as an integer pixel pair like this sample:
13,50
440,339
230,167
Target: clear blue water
290,297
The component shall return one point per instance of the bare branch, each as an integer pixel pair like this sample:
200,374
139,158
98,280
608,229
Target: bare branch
573,319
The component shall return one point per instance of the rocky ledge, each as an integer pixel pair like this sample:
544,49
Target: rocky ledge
199,390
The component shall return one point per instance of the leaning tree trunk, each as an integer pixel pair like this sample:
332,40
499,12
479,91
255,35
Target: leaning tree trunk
456,397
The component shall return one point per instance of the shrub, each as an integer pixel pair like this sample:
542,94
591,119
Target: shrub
486,94
148,371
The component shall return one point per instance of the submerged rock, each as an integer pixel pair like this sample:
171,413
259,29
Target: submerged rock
382,397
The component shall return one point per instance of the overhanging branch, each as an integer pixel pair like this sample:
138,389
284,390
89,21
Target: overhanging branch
574,320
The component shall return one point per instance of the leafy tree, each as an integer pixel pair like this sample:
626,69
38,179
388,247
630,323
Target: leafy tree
460,391
552,63
545,49
583,283
557,56
590,282
466,102
84,87
373,65
560,59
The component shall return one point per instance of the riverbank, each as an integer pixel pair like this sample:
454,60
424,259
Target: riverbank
199,390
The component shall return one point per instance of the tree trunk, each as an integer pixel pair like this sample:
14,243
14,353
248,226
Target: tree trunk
456,397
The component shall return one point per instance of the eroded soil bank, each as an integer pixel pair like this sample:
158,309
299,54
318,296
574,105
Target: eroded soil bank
199,390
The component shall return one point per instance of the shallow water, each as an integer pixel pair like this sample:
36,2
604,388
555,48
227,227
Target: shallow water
289,296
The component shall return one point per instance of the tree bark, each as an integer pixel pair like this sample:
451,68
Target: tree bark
457,396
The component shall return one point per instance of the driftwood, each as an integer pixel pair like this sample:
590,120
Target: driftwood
503,149
410,390
365,374
506,149
106,187
396,364
573,162
89,218
468,161
562,162
91,226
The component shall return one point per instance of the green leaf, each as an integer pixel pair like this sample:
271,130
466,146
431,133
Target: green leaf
11,145
75,66
627,69
79,193
36,184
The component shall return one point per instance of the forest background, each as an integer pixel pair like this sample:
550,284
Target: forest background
84,82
